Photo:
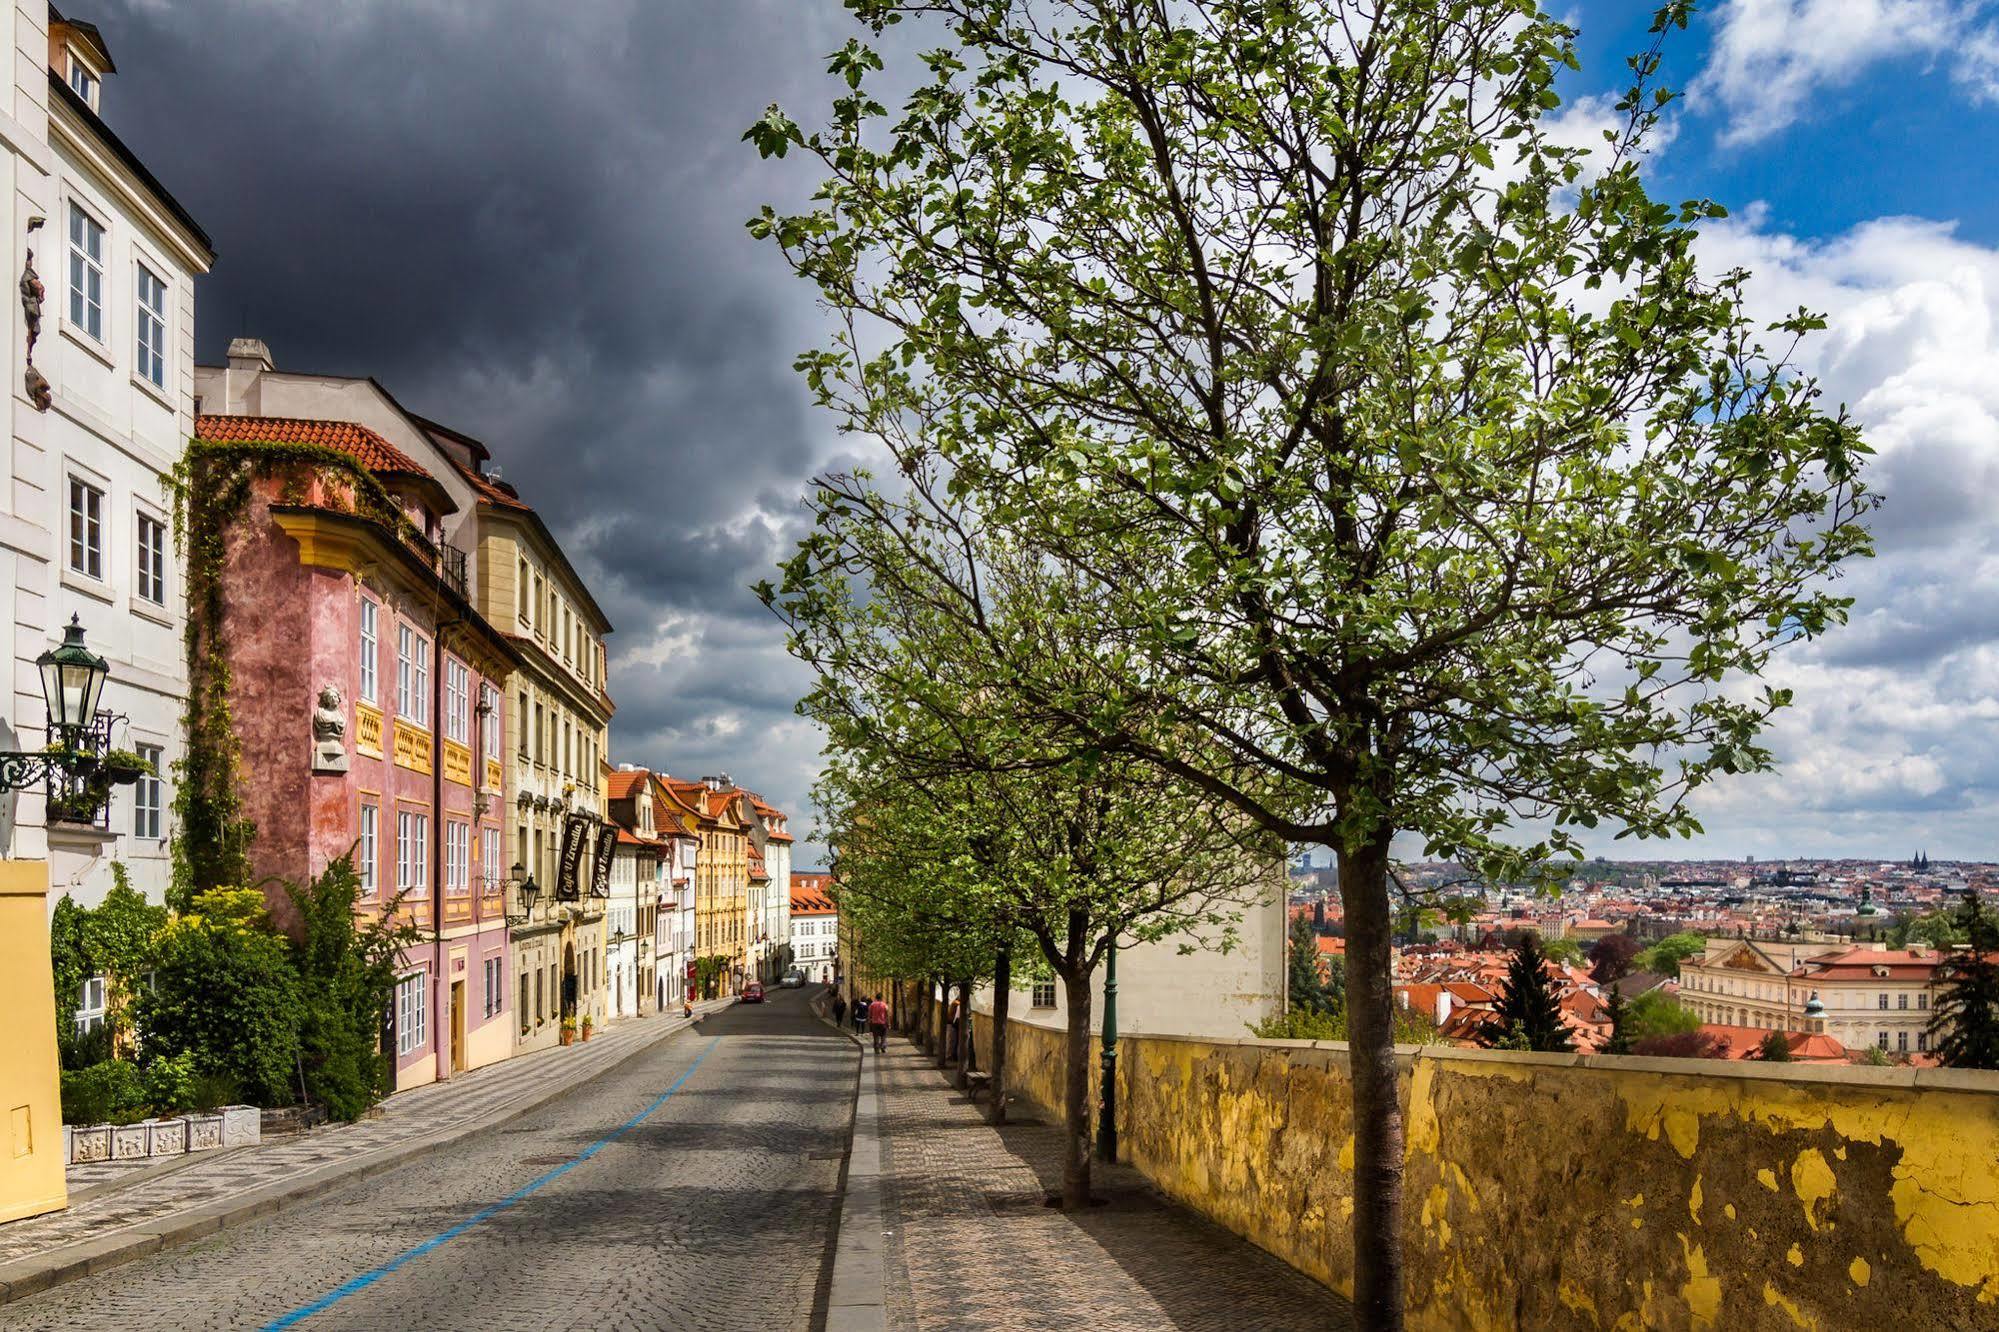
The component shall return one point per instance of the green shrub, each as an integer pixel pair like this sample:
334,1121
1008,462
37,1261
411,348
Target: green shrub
209,1092
347,968
107,1093
225,991
169,1084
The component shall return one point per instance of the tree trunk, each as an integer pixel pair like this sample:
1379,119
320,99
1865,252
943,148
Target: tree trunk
1377,1114
943,1050
1076,1098
1002,993
962,1034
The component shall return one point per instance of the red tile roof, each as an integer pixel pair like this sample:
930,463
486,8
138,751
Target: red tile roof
1747,1043
626,784
357,441
810,900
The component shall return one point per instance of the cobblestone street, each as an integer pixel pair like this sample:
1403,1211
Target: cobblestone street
971,1245
692,1185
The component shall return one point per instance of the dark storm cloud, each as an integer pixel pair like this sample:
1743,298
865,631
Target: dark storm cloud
526,219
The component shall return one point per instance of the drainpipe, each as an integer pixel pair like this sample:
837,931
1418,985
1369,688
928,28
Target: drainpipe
440,1030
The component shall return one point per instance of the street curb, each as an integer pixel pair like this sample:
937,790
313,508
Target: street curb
31,1276
856,1298
822,1290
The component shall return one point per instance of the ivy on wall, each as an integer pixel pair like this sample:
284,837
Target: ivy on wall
211,487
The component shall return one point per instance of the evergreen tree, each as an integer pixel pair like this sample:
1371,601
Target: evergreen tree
1964,1022
1527,1010
1775,1048
1620,1039
1307,991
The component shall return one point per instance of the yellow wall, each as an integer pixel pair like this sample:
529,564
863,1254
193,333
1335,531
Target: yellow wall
31,1165
1562,1191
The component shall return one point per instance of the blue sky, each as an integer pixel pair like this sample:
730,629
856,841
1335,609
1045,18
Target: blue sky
1852,141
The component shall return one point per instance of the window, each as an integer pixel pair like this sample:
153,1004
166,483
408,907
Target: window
411,1019
537,995
412,852
146,795
521,723
1044,994
82,82
86,273
366,853
523,1004
489,725
1881,1039
1922,1040
1902,1042
457,701
368,651
1901,1001
540,734
86,528
152,559
152,326
1923,999
90,1005
493,981
489,856
1884,1000
412,675
457,857
526,608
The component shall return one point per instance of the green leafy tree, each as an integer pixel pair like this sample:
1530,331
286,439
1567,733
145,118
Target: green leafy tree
115,940
1306,991
1421,480
1664,958
1567,952
1528,1013
346,966
1656,1013
226,992
1964,1019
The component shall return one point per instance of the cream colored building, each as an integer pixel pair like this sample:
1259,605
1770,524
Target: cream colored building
1863,996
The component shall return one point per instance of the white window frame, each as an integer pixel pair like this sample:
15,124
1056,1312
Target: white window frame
413,853
412,1012
90,1007
151,557
1034,995
457,700
150,325
83,80
148,796
412,676
367,847
86,305
457,857
84,536
490,726
370,636
489,855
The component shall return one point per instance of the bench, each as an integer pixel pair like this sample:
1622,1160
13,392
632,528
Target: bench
976,1083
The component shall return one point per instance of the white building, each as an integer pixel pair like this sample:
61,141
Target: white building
771,910
86,526
1165,992
815,927
651,912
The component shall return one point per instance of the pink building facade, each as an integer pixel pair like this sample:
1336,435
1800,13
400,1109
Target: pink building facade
369,697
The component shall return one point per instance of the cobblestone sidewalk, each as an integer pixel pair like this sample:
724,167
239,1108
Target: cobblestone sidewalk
969,1243
112,1211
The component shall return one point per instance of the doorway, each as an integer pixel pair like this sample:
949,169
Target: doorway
458,1026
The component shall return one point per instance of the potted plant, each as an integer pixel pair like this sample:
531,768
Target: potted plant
586,1026
122,767
569,1031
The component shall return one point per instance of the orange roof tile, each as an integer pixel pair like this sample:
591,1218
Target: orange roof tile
357,441
626,784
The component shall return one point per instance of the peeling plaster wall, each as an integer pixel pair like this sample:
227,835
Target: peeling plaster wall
1563,1191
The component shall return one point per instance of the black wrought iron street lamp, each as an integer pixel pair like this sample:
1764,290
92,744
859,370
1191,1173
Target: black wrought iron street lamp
528,890
72,685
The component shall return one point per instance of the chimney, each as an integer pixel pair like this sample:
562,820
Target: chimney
1443,1004
249,359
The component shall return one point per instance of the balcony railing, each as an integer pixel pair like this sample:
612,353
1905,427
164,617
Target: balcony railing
451,564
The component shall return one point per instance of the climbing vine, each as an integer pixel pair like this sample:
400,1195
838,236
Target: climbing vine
211,486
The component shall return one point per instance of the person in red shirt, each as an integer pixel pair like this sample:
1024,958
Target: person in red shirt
878,1024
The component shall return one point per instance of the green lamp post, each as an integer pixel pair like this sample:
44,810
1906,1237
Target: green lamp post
1107,1120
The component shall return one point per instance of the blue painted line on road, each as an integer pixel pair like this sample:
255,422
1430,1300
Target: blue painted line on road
443,1237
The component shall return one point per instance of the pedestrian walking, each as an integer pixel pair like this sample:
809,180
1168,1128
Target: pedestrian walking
878,1024
861,1015
839,1010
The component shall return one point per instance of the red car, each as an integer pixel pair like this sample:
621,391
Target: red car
753,993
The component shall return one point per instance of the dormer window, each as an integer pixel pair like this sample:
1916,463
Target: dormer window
83,80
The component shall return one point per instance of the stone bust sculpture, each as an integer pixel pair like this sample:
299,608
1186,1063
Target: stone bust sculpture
329,733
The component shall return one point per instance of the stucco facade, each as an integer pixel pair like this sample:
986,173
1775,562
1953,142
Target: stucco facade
1866,996
318,596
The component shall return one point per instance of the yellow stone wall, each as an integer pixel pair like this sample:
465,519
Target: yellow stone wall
31,1165
1563,1191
